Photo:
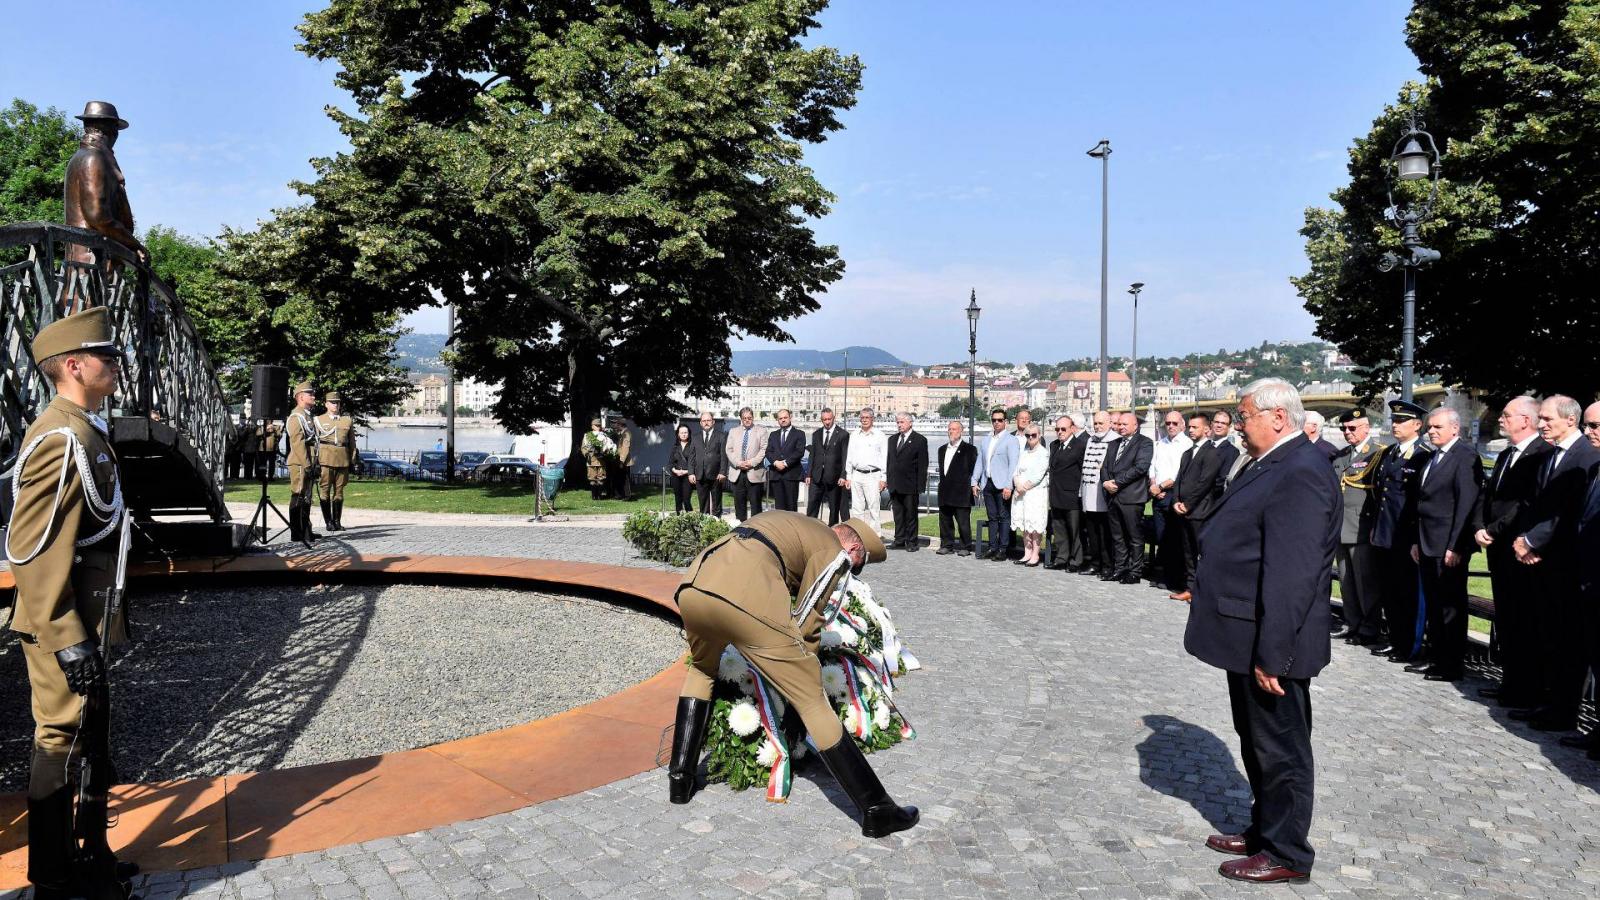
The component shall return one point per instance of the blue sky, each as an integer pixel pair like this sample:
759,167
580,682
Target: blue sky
961,167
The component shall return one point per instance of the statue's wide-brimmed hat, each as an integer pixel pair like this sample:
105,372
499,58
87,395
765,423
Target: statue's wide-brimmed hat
101,111
88,331
305,387
870,540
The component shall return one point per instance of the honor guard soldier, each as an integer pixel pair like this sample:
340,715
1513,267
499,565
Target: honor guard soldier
67,545
300,433
336,453
1392,533
1357,466
738,591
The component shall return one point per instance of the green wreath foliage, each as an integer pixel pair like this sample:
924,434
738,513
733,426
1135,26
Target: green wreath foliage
674,539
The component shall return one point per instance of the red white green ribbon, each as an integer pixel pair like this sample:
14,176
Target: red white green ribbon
781,777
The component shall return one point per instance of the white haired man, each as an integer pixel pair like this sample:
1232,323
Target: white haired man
1313,429
1446,495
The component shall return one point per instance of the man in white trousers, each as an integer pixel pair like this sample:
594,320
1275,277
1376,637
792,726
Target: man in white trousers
866,464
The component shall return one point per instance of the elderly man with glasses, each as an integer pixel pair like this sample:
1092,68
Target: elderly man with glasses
1171,444
1360,590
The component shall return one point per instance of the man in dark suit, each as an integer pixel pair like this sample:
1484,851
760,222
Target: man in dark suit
1503,511
1260,612
1550,546
1066,495
1357,466
1313,429
907,477
708,442
1588,551
1227,450
1194,495
1447,493
786,447
1127,471
958,460
1391,533
827,482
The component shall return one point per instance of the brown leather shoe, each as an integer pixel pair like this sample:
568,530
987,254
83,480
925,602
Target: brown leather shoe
1229,843
1260,869
1185,596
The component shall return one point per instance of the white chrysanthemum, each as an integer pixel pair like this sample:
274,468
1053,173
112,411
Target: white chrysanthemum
747,683
732,665
830,640
880,715
833,681
768,754
743,718
848,635
851,720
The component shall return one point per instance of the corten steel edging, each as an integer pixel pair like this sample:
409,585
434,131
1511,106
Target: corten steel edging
209,821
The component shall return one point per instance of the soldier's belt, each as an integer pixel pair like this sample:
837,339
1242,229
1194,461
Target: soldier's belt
744,532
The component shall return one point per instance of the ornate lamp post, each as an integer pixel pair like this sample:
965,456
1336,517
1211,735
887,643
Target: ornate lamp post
972,373
1102,152
1415,158
1134,289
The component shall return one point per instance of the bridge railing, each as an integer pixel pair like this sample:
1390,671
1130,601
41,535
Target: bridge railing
167,376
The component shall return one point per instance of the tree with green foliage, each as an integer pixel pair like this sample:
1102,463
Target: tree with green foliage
35,146
1510,97
606,192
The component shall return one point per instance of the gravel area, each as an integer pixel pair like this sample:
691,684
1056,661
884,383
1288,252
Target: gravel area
248,679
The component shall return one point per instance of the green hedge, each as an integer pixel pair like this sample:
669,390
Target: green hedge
675,539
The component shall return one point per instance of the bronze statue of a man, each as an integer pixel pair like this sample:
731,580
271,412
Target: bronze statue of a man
96,196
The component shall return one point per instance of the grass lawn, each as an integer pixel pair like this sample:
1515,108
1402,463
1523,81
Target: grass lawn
430,496
1477,585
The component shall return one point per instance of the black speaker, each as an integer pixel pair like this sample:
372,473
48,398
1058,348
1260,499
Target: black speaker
269,392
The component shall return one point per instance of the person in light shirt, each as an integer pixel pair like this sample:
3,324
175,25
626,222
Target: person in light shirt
1096,506
1170,447
866,463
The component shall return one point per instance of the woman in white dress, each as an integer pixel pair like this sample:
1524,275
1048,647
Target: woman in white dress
1030,499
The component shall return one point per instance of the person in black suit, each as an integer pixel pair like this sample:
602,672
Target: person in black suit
1193,496
1447,493
1503,510
709,471
1227,450
786,447
1313,429
826,482
1550,546
1127,483
907,478
1391,533
681,465
1260,612
957,461
1587,542
1066,494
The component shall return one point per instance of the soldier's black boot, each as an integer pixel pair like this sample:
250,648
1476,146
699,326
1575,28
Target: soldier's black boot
880,815
294,520
338,515
50,844
688,736
327,516
305,523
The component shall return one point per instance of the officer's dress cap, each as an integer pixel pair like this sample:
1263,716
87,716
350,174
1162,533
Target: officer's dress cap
332,397
88,332
1405,411
870,540
1353,414
305,387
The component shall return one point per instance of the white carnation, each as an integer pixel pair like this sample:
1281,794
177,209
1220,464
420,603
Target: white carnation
732,665
830,640
847,634
851,720
833,681
743,718
880,715
768,754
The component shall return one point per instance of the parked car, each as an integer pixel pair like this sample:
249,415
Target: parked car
506,473
430,461
468,460
379,467
507,458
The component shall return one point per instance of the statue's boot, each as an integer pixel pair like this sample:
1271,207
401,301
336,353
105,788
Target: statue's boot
688,736
880,815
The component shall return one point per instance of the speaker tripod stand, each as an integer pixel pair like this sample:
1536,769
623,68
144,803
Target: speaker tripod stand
261,520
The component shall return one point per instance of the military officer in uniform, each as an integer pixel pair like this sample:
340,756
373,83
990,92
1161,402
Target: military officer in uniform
1357,466
737,591
336,453
300,434
63,545
1392,532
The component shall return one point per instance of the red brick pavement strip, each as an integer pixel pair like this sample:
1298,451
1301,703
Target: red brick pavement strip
208,821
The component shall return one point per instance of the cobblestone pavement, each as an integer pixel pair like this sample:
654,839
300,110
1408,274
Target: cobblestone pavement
1067,747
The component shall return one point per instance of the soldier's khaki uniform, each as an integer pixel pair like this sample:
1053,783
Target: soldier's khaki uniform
737,591
336,453
62,589
300,433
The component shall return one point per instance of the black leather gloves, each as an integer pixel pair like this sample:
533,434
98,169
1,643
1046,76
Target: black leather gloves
83,668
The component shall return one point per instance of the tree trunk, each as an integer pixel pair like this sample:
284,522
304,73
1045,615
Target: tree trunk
585,390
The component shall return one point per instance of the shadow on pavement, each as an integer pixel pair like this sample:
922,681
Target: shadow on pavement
1183,760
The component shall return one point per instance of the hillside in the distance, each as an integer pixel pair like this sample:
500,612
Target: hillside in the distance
420,354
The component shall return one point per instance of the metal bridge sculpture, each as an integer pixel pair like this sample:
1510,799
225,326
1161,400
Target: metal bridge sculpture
169,419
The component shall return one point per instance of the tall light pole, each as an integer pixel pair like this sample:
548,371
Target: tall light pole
1102,152
1413,162
450,404
972,373
1134,289
846,403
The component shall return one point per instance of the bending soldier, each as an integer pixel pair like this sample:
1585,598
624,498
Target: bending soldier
63,546
738,592
300,433
336,453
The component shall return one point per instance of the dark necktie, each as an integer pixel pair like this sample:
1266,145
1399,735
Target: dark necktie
1511,460
1121,446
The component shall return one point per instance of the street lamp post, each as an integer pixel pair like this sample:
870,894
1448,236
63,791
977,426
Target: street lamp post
1134,289
1413,162
846,403
972,373
1102,152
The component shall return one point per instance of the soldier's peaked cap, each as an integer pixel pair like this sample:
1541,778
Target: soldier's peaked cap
305,387
1353,414
1405,410
88,331
332,397
869,540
